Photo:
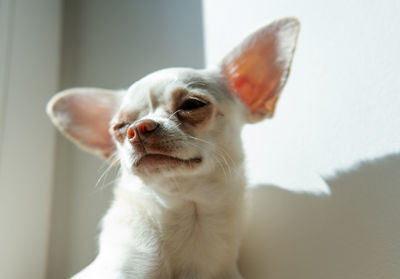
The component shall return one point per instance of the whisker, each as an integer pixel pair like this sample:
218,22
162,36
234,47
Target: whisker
112,163
169,117
222,153
217,157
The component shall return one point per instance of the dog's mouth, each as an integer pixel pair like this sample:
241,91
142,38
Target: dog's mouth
149,161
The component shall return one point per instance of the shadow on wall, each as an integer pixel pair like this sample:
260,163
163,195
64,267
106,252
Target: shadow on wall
353,233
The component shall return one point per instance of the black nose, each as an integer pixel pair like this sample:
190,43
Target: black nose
141,128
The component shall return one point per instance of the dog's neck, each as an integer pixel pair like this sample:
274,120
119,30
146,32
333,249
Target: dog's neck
190,194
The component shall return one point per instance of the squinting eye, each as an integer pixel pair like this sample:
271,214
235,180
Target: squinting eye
192,104
119,130
119,126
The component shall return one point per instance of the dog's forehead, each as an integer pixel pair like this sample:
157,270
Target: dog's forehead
158,87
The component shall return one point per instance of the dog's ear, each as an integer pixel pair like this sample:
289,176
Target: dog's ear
257,69
83,115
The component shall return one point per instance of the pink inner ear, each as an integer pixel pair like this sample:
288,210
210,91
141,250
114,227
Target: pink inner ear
91,123
255,75
83,115
257,69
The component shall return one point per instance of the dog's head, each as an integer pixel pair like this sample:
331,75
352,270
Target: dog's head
182,122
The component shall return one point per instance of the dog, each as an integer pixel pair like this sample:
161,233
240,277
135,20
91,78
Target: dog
179,203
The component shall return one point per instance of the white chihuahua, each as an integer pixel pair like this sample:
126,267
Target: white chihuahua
178,210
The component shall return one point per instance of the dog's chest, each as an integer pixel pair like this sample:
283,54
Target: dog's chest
196,242
183,243
191,238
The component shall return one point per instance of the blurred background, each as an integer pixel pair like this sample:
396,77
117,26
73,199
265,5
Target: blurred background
325,168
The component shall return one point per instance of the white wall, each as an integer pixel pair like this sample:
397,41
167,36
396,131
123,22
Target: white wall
109,44
29,56
336,131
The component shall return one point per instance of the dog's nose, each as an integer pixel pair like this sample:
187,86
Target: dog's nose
141,128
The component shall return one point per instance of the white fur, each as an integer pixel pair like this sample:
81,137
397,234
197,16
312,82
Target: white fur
177,225
181,221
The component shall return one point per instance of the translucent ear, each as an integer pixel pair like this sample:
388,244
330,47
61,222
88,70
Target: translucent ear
83,115
257,69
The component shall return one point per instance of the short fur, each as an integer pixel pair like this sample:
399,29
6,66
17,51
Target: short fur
179,203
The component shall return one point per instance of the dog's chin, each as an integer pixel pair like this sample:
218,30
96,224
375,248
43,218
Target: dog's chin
160,163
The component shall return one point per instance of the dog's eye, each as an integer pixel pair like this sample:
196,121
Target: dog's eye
120,126
192,104
194,111
119,130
